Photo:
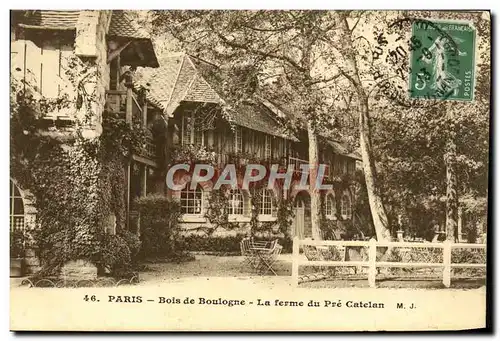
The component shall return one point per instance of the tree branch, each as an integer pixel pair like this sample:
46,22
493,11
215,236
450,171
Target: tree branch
233,44
326,80
357,21
258,29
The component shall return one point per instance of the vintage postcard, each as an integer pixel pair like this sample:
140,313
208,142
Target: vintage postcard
285,170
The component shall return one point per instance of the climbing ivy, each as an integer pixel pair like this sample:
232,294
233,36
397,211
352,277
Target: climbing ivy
218,210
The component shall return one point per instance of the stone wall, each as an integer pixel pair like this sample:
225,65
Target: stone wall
79,270
90,42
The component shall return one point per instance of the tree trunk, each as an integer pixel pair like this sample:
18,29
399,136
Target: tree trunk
451,190
351,72
375,200
313,190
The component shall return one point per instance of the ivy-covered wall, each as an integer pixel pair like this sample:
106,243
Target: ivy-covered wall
79,188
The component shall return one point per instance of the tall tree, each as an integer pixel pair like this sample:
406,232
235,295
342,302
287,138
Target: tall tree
433,151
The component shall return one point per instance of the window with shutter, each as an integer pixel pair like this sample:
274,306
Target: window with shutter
33,64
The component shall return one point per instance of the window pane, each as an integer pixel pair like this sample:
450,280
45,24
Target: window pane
267,203
345,206
235,202
17,223
18,206
191,200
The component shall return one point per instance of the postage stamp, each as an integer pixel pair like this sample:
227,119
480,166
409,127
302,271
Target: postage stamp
442,66
420,62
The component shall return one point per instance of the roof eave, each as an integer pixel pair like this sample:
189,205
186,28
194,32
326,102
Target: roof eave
48,28
147,46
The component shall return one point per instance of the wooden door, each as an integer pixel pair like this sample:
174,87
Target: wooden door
299,220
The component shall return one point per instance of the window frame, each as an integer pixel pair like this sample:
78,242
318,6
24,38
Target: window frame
187,191
12,212
269,195
346,211
189,115
231,207
330,198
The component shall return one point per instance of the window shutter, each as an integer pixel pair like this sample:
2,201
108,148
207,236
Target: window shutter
258,144
248,142
50,69
33,64
17,57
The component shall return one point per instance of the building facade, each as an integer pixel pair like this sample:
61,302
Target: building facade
199,129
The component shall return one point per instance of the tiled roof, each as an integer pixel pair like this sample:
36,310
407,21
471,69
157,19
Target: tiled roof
122,25
176,80
258,117
341,149
48,19
201,91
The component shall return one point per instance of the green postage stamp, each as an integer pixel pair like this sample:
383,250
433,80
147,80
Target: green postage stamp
442,60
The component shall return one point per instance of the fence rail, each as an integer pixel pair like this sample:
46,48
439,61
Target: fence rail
372,263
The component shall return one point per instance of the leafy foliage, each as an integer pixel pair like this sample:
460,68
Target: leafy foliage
218,210
159,226
17,243
216,244
77,183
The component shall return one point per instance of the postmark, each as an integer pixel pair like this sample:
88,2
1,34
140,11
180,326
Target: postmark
442,64
420,63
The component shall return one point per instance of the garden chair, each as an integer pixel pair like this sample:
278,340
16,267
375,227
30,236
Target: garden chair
258,244
246,252
268,259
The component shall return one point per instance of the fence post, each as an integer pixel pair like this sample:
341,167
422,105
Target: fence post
295,261
447,263
372,258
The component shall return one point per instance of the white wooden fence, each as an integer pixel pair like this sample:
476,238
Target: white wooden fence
372,264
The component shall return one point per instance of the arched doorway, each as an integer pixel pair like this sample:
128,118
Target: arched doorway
16,208
302,226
